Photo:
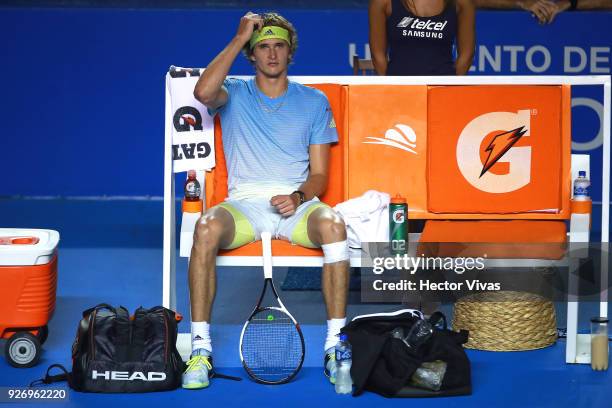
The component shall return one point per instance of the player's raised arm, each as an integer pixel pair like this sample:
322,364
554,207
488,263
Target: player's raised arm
209,89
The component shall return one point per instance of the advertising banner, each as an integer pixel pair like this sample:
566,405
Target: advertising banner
192,126
507,43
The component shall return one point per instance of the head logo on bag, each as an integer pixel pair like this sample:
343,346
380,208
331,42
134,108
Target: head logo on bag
127,376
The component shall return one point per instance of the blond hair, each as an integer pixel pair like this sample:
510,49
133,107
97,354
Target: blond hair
275,19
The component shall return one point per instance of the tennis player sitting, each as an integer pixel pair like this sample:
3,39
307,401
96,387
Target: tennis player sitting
276,138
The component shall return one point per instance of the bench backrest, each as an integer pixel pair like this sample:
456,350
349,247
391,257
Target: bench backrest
454,152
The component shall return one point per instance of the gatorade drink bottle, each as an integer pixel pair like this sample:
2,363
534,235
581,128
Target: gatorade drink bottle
398,225
192,187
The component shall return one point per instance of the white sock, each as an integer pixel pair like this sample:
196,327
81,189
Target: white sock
333,330
200,336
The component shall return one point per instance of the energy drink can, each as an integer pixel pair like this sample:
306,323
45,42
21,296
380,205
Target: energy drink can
398,225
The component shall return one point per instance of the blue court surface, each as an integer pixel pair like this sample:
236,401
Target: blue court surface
110,251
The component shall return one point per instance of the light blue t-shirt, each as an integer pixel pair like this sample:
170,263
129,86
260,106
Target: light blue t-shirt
266,140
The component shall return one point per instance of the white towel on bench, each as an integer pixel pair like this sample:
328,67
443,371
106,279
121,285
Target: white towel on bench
366,218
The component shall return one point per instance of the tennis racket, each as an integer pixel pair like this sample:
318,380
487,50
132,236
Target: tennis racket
271,342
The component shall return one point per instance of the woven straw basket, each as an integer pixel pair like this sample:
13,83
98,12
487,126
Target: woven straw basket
506,321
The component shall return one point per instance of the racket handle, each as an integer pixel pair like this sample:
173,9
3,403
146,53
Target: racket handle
266,241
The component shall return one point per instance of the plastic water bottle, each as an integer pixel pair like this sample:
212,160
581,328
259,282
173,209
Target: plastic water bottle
192,187
581,187
344,360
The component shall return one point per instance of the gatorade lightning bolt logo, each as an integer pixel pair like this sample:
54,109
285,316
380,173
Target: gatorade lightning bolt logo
500,145
502,149
398,216
189,120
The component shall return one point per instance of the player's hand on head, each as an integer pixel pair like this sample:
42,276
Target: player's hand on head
248,24
285,204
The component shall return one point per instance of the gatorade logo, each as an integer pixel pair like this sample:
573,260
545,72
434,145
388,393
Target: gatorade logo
510,127
399,216
187,118
191,151
400,136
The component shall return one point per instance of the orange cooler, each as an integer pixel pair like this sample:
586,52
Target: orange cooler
28,272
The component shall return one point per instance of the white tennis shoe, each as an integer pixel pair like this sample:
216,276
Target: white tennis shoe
198,370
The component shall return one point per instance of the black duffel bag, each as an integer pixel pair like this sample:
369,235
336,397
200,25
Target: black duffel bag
115,353
384,364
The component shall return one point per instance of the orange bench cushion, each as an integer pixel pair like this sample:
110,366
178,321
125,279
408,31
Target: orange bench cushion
527,171
387,143
513,239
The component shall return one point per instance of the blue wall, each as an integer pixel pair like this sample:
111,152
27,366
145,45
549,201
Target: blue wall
83,89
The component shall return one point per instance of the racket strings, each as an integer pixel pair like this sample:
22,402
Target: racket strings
272,347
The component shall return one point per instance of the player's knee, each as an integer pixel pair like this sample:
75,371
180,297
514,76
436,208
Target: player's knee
333,237
332,229
338,228
207,233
